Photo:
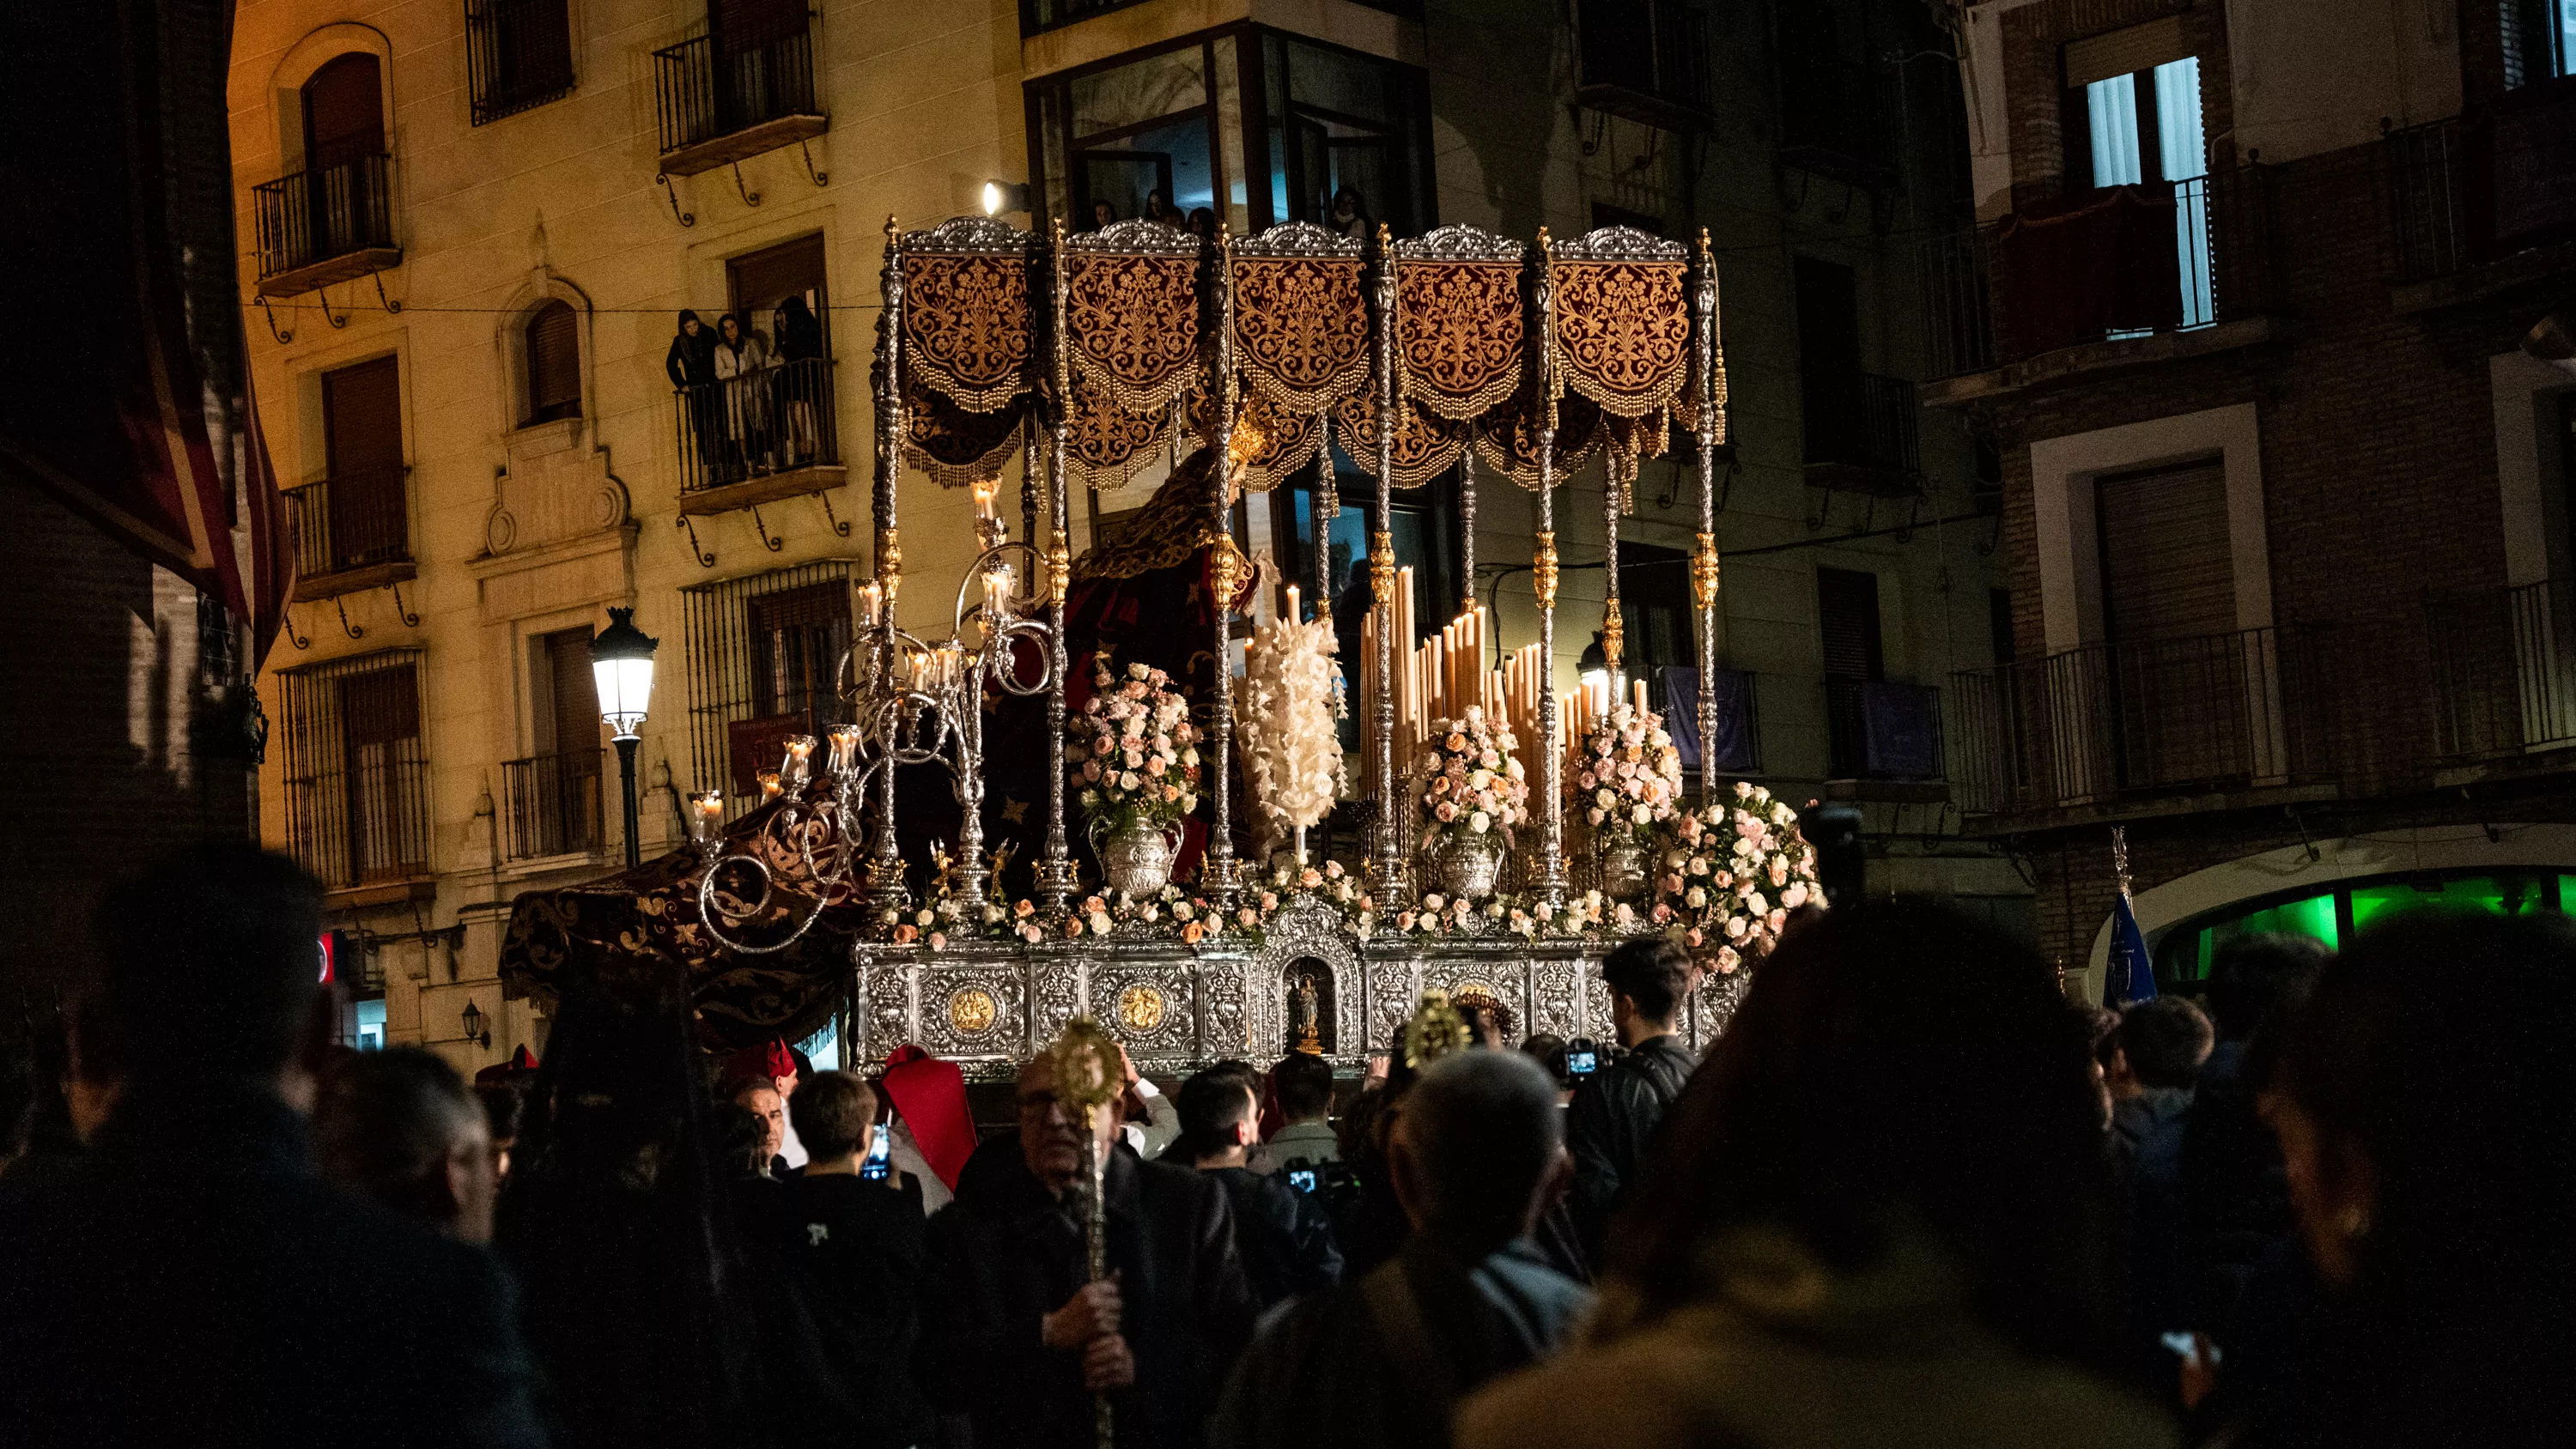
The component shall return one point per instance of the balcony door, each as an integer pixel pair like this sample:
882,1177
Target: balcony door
1854,658
362,441
555,798
344,146
2145,125
2178,671
1829,371
786,418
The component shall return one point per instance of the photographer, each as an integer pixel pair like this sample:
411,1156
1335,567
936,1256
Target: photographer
1612,1122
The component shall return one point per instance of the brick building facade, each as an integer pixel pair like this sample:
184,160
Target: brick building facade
2341,437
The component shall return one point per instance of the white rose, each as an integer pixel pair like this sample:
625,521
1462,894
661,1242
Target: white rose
1480,822
1641,815
1128,781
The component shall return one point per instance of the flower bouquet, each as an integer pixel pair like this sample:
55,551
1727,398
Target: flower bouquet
1732,873
1292,760
1472,793
1627,783
1134,763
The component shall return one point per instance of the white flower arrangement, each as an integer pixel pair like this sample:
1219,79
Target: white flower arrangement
1472,783
1732,873
1629,779
1292,759
1134,754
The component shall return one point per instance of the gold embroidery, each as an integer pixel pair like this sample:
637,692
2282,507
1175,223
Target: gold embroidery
955,446
1508,437
1105,444
1301,330
1622,332
1270,443
1458,331
1426,444
966,326
1134,325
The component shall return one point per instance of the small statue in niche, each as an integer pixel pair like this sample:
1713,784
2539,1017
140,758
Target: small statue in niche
1307,1019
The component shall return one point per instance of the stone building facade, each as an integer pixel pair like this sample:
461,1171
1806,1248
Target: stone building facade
2288,597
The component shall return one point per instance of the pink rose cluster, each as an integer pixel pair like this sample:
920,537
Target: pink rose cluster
1732,873
1134,755
1628,779
1472,784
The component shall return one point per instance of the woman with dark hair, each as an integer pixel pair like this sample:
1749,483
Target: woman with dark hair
1881,1218
742,362
617,1222
2421,1098
798,377
691,366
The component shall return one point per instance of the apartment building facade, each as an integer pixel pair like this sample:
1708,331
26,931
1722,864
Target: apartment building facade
2249,315
474,226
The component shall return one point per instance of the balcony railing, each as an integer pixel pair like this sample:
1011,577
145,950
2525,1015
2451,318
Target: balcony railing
355,521
2225,266
554,804
518,53
1879,729
309,220
2504,669
2248,708
712,89
1863,431
777,421
1646,60
2463,192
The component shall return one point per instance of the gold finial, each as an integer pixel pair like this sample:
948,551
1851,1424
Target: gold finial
1088,1074
894,228
1614,633
1543,569
1704,572
1059,563
1382,569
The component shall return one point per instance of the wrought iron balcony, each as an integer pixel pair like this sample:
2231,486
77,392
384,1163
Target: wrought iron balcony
2005,292
2504,670
1646,60
1863,434
719,99
771,434
1879,729
325,225
554,804
2468,192
518,54
351,532
2239,710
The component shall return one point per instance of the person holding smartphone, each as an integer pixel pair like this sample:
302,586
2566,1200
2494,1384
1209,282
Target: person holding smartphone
860,1246
1612,1122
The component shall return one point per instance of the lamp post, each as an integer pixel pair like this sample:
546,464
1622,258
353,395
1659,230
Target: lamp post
475,1031
621,664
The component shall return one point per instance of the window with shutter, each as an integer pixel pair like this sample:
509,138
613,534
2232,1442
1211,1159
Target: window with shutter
554,363
2166,569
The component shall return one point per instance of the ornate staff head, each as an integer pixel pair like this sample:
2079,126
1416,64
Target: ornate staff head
1436,1030
1088,1071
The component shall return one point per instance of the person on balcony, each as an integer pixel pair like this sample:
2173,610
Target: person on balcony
1350,215
691,364
741,358
797,384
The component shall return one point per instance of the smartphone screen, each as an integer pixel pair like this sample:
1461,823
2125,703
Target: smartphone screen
1581,1064
880,1159
1302,1178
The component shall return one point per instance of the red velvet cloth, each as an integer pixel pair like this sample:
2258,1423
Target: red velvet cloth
931,1095
2095,262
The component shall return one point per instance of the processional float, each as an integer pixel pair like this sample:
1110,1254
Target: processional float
1086,358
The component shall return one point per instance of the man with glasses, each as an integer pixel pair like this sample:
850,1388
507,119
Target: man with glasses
1024,1339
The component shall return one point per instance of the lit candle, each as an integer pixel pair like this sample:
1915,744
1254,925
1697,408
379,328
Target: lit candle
871,605
997,600
799,761
1293,616
706,817
769,786
845,749
985,514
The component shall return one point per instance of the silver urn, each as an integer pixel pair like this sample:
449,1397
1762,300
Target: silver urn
1137,861
1621,861
1470,865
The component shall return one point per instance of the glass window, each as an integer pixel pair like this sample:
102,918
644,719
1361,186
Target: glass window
1136,139
2498,895
2185,953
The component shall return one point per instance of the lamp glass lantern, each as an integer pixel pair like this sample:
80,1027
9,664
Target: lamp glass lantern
1594,667
474,1031
621,665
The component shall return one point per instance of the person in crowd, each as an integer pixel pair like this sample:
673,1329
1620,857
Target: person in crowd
191,1279
2163,1041
1021,1339
2236,1201
1303,1085
930,1132
1149,1122
2102,1033
504,1107
399,1127
859,1246
1281,1234
797,389
2420,1098
1203,223
1549,1052
779,1065
1612,1122
1102,214
619,1223
1476,1155
691,366
741,357
769,1111
1350,216
1882,1219
1158,209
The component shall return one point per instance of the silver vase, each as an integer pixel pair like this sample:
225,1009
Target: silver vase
1470,865
1136,861
1622,865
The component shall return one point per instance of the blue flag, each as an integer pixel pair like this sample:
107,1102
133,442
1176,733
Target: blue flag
2131,976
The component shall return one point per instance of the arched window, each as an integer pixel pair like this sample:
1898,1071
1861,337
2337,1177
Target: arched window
554,363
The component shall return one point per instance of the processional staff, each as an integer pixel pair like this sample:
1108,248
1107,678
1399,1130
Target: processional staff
1088,1077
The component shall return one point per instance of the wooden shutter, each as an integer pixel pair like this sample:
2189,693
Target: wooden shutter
568,718
2166,570
362,417
344,111
1847,606
379,707
2136,48
765,278
554,363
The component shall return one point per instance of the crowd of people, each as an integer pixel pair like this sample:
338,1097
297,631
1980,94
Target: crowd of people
758,401
1910,1196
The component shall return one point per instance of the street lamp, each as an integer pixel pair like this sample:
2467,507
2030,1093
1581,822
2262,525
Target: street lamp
475,1031
621,664
1001,196
1593,669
